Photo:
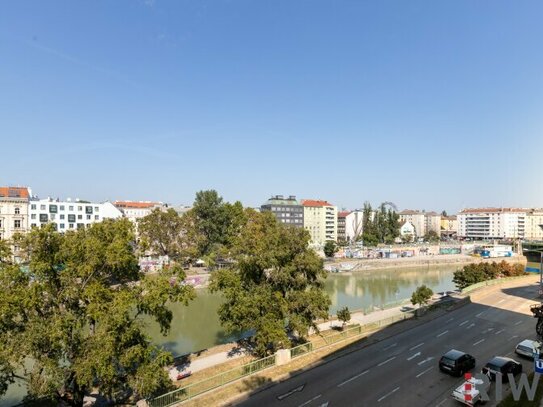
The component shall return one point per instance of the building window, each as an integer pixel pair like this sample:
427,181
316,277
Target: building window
42,207
88,209
33,206
17,210
61,207
53,216
61,216
96,217
71,218
17,223
71,225
88,217
79,208
62,225
43,217
79,216
96,209
70,208
32,225
33,216
53,209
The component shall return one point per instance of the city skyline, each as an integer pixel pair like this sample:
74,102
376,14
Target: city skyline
430,106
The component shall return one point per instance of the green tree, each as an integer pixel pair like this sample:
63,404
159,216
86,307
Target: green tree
431,236
165,233
330,248
344,315
71,319
276,286
421,295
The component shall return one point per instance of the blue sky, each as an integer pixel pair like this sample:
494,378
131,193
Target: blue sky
431,105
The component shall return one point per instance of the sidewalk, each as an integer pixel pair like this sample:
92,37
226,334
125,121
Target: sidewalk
235,353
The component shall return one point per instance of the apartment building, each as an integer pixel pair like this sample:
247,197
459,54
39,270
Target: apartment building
353,225
492,223
422,221
449,224
286,210
533,224
134,210
320,219
13,211
341,226
69,215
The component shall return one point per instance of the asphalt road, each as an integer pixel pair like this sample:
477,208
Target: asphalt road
403,370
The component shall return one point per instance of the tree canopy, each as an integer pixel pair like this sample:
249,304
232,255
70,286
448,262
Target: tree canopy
380,226
330,248
421,295
478,272
276,286
70,320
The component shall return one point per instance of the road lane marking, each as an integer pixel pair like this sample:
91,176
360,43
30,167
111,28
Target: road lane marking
442,333
513,337
388,394
390,346
442,401
465,322
478,342
353,378
480,313
413,356
386,361
470,326
309,401
424,371
518,322
500,301
417,346
290,393
499,332
324,404
425,360
449,320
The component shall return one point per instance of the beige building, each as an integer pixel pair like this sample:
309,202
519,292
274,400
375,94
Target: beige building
422,221
449,224
13,211
320,219
533,221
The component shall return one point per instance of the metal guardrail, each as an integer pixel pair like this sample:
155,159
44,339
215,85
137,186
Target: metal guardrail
195,389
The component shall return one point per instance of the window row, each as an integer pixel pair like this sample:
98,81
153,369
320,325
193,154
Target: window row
44,217
56,208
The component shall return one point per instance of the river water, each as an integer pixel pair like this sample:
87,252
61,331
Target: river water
197,327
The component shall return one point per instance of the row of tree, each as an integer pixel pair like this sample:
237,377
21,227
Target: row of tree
478,272
71,314
379,226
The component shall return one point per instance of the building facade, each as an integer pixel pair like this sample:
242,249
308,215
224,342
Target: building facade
341,226
353,225
288,211
13,211
423,222
407,230
533,225
449,224
492,223
320,219
134,210
69,215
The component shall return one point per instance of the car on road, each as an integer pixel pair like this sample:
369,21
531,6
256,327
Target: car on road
456,362
528,348
503,365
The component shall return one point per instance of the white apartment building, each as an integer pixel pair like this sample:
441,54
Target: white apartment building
533,223
134,210
69,215
320,219
353,225
407,229
13,211
492,223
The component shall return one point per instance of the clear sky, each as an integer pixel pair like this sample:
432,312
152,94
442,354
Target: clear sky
429,104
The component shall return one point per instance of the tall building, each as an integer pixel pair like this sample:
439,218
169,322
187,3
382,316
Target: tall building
320,219
341,226
492,223
534,221
69,215
13,211
423,221
286,210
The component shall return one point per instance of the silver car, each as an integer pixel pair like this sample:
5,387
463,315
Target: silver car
528,348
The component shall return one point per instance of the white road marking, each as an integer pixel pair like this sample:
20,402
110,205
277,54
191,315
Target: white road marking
470,326
353,378
441,402
388,394
390,346
324,404
424,371
449,320
478,342
518,322
500,301
480,313
299,388
513,337
309,401
499,332
442,333
417,346
386,361
425,360
465,322
413,356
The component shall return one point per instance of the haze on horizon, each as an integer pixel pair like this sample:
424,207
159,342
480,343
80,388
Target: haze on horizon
430,105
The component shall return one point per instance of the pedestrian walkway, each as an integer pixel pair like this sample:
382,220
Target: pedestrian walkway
234,352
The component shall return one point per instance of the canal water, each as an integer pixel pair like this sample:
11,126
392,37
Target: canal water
197,327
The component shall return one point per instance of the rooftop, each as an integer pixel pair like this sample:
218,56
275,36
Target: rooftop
14,192
494,210
136,204
313,202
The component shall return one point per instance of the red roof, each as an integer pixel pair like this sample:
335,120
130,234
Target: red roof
313,202
14,192
135,205
342,214
493,210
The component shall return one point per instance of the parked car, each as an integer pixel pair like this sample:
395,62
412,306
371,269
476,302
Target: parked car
473,390
528,348
503,365
456,362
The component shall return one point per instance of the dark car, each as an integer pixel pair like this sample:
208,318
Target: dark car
503,365
456,362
